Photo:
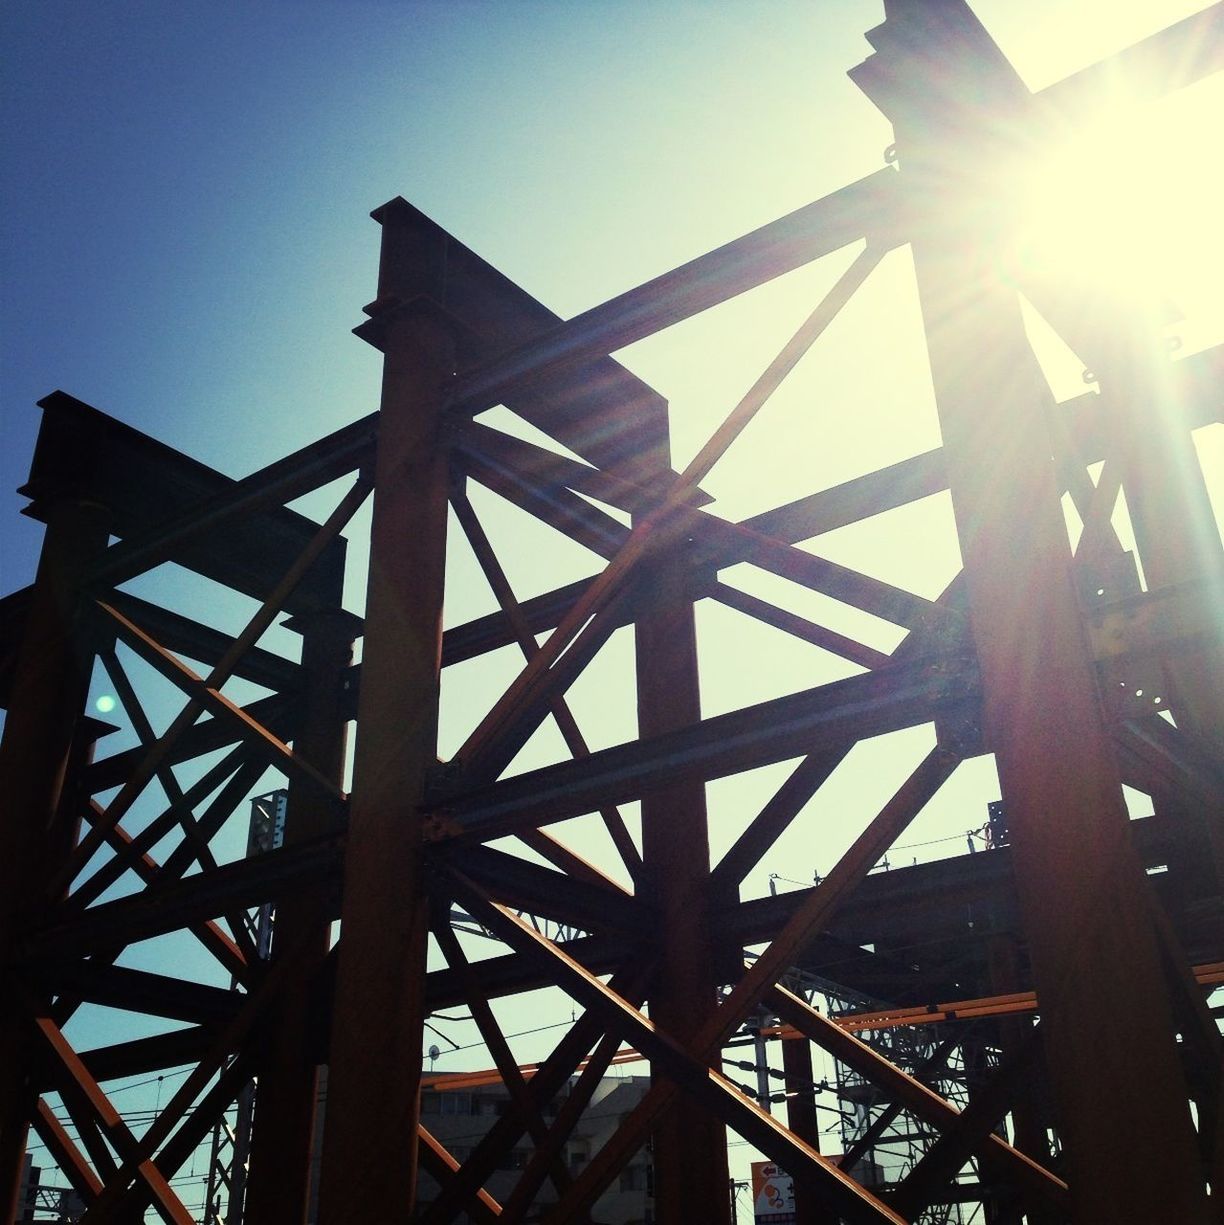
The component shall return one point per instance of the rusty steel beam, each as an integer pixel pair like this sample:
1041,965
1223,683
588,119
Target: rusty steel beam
168,906
865,209
597,408
548,469
438,1162
586,626
132,1152
938,1166
930,1069
228,772
1197,378
560,508
567,725
48,692
923,1102
629,982
1171,513
812,916
710,1089
1041,712
577,1099
187,637
801,1119
279,713
370,1140
159,995
884,700
204,694
148,1162
139,1056
141,481
799,627
68,1157
285,1132
690,1142
491,1034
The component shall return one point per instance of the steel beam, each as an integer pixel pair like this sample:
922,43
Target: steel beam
681,1068
1175,57
690,1142
370,1138
801,1119
1082,890
158,995
48,694
924,1103
285,1132
890,698
143,481
168,906
865,209
630,984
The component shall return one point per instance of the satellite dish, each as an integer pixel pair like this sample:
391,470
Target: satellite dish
434,1052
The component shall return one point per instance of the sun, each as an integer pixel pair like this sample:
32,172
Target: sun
1127,207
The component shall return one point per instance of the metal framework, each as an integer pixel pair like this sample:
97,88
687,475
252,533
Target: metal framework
1107,1110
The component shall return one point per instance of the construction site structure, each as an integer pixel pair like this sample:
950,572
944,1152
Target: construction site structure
1024,1034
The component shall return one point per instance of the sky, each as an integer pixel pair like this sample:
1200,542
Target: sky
187,244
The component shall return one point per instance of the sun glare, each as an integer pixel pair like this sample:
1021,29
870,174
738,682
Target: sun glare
1129,206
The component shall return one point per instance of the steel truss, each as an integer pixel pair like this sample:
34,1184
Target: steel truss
1035,654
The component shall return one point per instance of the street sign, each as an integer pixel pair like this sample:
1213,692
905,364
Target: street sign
773,1195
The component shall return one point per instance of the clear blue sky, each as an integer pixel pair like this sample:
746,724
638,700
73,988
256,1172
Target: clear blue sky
186,244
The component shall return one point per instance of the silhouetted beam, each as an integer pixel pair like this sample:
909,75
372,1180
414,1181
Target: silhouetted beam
251,882
859,498
278,713
205,644
558,507
551,895
142,482
921,1101
261,494
123,1059
867,705
862,209
1167,60
156,910
551,470
138,991
597,409
679,1064
1200,378
932,1174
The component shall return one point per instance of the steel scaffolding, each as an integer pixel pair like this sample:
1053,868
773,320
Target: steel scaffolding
1054,659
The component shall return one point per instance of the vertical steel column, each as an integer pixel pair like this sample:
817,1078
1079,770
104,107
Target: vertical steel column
801,1119
278,1186
49,690
690,1145
374,1074
1175,530
1105,1010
